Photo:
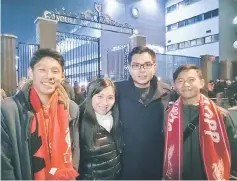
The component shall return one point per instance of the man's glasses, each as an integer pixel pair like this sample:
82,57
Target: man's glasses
190,81
137,66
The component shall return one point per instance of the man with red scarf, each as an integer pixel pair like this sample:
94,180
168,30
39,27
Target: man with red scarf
39,125
200,138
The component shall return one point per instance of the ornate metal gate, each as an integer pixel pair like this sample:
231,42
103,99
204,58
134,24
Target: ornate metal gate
24,54
82,56
81,53
117,63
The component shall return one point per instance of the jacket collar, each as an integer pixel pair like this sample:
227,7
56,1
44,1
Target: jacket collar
25,108
24,96
160,89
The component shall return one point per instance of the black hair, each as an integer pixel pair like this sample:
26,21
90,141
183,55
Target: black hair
140,50
46,52
185,68
89,124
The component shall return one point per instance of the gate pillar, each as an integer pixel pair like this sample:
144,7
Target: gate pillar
226,69
234,67
137,40
206,67
46,32
8,64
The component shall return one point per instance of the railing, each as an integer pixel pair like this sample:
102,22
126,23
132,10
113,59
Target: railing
24,54
82,56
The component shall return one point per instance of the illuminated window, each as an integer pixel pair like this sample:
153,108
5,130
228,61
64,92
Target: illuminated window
208,39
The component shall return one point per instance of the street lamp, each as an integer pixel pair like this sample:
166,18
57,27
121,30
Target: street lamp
135,12
235,44
235,20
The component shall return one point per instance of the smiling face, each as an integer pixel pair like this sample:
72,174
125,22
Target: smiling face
188,84
47,75
103,102
142,69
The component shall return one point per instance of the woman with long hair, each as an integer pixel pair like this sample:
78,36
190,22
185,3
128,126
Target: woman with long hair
100,138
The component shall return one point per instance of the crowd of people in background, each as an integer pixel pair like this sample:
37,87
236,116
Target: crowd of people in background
76,93
223,91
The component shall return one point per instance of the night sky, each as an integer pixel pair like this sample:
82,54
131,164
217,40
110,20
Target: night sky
18,16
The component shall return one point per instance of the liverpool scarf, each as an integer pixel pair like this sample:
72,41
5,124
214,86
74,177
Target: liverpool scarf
214,143
51,143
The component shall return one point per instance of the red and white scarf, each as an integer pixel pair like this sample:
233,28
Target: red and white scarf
213,141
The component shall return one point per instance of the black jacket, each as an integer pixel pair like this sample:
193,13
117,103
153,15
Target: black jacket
16,117
142,130
101,161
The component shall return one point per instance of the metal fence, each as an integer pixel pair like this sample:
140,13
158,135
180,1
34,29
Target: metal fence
117,60
117,64
24,54
81,54
167,64
82,59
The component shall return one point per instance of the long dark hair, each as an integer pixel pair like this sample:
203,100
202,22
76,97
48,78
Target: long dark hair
89,124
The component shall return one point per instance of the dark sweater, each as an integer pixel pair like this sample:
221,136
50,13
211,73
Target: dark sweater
193,166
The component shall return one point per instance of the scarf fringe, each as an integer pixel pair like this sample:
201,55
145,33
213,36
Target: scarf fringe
65,174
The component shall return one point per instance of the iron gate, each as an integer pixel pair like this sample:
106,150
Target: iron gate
81,54
167,64
117,63
24,54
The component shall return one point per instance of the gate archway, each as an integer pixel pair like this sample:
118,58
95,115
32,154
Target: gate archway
83,53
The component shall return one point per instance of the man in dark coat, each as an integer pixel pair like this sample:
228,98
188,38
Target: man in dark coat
39,125
142,101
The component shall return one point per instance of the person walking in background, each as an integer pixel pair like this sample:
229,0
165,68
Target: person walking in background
83,90
233,113
75,86
210,87
21,84
69,89
232,92
173,96
79,96
94,78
